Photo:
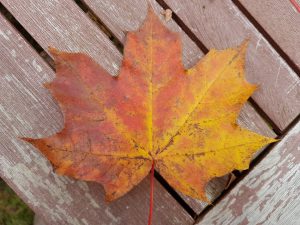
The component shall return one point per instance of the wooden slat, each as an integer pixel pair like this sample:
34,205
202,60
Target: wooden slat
269,194
220,24
121,16
27,109
281,20
63,25
191,55
247,119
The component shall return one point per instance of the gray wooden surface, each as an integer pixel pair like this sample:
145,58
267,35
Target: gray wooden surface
122,16
26,17
63,25
269,194
27,109
281,20
220,24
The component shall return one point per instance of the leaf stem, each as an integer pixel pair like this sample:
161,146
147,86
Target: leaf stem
151,194
295,4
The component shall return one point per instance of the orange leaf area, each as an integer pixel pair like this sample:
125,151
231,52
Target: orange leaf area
153,111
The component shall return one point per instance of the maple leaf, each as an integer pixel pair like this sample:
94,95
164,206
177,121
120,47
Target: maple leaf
154,112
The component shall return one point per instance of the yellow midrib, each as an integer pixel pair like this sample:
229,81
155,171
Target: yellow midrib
150,69
201,97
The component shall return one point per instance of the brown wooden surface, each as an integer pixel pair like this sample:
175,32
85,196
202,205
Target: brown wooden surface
269,194
281,20
122,16
219,24
27,109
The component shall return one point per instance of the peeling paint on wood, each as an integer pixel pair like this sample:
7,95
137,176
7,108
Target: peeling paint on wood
27,109
269,194
121,16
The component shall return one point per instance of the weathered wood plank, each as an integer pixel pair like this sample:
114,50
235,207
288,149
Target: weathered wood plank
27,109
281,20
246,119
38,220
27,12
63,25
121,16
269,194
192,52
220,24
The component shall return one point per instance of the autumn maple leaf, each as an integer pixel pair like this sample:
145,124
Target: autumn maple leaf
154,113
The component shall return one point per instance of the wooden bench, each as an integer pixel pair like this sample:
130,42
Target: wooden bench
268,193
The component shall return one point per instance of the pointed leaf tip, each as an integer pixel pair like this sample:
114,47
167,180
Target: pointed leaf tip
113,127
244,45
53,51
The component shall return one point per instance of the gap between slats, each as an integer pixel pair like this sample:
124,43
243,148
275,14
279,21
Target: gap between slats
198,42
203,48
241,175
281,133
189,33
90,13
24,33
276,129
49,60
267,36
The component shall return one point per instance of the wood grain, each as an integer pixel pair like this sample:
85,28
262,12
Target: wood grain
28,19
269,194
220,24
27,109
247,119
281,20
85,36
122,16
63,25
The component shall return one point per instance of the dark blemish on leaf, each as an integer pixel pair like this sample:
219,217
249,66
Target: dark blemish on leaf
191,157
98,120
